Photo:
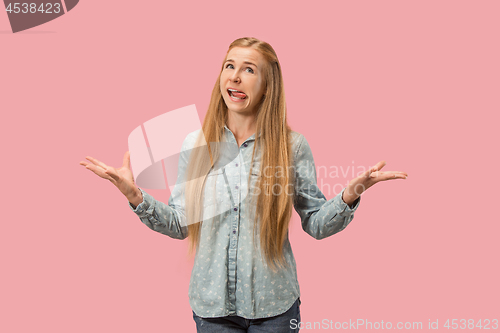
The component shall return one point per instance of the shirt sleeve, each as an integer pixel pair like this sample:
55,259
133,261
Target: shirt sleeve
168,219
320,218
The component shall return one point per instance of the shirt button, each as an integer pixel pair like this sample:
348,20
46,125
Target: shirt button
236,186
236,164
244,145
234,231
235,209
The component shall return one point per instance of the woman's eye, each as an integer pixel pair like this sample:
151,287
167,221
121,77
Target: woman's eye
251,69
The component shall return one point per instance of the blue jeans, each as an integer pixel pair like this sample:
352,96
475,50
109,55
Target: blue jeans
232,324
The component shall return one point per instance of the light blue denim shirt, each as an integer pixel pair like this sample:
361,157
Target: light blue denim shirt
229,276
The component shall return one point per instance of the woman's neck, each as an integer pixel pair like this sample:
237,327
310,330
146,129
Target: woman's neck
242,126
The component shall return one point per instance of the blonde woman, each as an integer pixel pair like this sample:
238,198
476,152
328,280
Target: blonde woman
244,277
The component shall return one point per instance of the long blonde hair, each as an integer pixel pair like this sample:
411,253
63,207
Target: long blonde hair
272,137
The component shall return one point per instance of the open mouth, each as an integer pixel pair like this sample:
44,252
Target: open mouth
236,94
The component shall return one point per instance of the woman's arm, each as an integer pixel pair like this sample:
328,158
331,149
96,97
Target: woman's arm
320,218
168,219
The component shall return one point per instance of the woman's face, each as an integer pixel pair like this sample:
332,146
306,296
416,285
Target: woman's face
243,71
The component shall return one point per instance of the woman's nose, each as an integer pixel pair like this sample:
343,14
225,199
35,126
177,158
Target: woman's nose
235,77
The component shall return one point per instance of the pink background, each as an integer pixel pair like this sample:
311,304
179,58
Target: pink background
413,83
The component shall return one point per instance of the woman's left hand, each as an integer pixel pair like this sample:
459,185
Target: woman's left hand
367,179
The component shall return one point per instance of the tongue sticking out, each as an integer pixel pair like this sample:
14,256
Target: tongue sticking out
238,94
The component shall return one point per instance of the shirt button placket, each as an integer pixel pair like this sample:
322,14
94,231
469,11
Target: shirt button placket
233,253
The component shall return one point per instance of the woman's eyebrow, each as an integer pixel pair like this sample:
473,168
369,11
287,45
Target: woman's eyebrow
245,62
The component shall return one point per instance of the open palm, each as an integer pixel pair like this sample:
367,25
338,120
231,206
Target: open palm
122,177
369,178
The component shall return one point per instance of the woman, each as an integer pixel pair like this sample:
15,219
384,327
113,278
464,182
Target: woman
244,275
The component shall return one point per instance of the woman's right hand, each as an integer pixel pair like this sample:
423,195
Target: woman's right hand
122,178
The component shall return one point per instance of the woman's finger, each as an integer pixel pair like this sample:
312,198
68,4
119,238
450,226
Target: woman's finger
98,171
126,160
387,175
97,162
380,165
373,171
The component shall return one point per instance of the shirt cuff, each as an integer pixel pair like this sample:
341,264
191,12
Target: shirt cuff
145,207
345,209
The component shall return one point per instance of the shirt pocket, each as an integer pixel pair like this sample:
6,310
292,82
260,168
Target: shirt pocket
215,194
256,168
255,176
214,186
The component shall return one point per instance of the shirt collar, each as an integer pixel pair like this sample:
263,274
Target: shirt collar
251,138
